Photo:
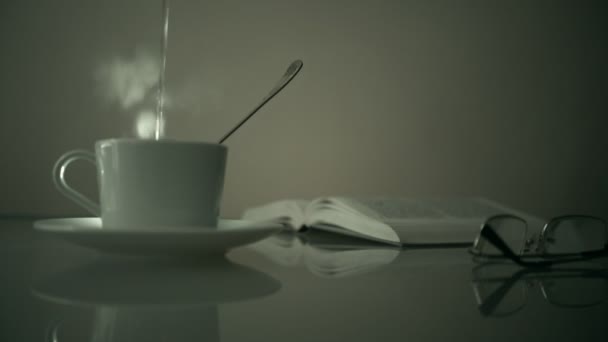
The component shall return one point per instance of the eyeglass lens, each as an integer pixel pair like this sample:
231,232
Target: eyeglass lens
574,235
511,229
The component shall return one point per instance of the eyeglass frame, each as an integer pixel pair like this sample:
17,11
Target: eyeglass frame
543,259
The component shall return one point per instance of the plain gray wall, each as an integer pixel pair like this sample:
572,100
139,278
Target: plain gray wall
505,99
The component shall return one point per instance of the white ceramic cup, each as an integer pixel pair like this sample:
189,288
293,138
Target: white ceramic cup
151,183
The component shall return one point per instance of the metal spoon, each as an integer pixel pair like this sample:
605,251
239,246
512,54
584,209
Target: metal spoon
290,73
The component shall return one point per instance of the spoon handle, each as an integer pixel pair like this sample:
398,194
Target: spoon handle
290,73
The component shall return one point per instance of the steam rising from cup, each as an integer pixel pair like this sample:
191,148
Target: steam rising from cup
146,125
126,82
131,83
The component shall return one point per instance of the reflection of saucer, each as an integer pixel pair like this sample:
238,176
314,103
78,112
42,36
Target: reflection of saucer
142,299
175,241
151,283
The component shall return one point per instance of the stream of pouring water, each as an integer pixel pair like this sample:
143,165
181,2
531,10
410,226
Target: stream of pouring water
289,74
158,132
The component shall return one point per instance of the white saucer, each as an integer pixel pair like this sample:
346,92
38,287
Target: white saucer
169,241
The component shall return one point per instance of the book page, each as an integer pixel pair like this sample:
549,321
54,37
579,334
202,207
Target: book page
332,214
348,223
287,212
426,221
346,205
389,209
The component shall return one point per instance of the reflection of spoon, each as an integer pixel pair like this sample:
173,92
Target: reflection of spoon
290,73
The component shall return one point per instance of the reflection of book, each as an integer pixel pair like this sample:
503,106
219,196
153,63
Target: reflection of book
388,220
326,255
284,248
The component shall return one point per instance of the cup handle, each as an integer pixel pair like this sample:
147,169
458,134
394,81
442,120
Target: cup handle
63,187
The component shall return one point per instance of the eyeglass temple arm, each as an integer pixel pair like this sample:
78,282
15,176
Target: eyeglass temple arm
490,235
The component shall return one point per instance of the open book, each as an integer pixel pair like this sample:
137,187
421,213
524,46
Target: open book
395,221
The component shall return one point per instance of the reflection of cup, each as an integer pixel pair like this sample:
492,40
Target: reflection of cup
148,300
110,324
148,183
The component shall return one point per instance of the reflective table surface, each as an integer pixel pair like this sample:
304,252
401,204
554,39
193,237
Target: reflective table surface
307,287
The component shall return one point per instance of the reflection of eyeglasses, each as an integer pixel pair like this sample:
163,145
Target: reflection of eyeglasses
563,239
502,291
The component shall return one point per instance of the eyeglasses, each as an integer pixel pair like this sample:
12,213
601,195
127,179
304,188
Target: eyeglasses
501,289
563,239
